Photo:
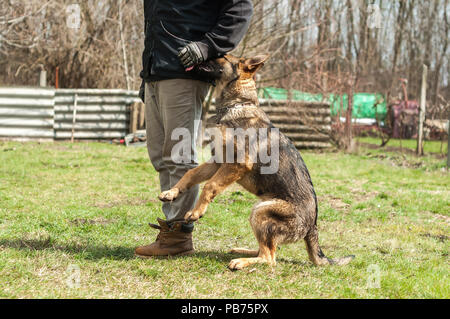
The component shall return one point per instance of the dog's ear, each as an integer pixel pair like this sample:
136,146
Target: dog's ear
254,64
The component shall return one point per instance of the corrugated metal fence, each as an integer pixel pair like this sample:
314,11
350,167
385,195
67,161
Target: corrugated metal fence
100,114
27,113
47,114
34,113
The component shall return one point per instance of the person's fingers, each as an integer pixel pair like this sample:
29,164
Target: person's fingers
184,60
186,51
189,55
188,64
184,57
187,60
183,52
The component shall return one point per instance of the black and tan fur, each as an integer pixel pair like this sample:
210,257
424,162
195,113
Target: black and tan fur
287,211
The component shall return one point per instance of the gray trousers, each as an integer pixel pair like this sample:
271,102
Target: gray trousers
171,104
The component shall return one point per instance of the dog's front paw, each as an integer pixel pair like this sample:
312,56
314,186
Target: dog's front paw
192,216
238,264
169,195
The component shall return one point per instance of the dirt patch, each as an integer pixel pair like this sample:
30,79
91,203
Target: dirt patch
396,160
441,238
363,196
358,196
95,221
358,192
335,202
440,217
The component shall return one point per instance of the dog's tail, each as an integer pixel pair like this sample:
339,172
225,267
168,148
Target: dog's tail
317,256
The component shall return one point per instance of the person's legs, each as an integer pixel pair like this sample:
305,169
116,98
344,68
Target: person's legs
170,105
181,107
156,137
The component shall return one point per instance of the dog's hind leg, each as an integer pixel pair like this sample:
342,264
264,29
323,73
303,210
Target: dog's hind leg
265,255
270,222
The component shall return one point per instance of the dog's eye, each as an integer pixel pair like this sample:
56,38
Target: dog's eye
221,70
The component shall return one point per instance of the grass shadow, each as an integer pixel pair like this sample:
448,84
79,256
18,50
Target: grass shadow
214,255
89,252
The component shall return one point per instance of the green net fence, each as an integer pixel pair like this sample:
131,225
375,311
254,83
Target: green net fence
365,105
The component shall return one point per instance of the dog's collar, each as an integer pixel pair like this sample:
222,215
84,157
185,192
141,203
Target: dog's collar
236,106
220,112
241,105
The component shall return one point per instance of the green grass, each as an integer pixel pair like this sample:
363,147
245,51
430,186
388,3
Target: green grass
428,147
88,205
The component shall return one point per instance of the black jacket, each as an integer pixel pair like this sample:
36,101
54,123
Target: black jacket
217,26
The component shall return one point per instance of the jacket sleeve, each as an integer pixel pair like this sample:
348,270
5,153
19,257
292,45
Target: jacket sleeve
232,24
141,74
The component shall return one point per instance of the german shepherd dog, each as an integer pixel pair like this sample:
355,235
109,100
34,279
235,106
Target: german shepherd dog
287,211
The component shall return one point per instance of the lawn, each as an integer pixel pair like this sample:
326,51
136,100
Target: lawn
71,215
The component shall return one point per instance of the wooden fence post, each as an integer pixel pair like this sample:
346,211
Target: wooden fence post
43,79
57,78
74,116
423,101
348,117
137,117
141,122
133,118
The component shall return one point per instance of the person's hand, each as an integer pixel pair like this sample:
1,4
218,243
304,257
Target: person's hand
142,91
190,55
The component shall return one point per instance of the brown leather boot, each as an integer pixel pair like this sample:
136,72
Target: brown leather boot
173,239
